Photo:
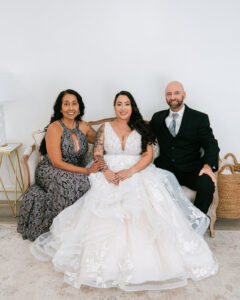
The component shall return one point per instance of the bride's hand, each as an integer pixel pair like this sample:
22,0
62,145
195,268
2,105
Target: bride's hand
110,177
124,174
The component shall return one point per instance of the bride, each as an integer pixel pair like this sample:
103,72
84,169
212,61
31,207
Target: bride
134,229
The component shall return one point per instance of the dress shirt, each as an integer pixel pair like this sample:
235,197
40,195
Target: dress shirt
178,120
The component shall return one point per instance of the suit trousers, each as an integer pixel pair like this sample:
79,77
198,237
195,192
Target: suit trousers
203,185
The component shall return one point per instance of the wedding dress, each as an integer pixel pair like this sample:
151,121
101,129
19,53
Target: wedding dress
141,235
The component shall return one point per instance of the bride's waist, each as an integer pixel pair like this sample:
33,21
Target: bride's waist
122,156
120,161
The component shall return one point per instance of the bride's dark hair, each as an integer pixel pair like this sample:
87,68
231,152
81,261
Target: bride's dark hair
57,115
136,122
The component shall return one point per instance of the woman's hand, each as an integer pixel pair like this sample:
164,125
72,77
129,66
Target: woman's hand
110,176
124,174
95,167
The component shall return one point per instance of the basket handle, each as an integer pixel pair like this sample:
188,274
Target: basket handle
227,166
233,156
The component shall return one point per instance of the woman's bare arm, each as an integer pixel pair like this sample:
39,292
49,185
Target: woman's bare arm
98,149
144,161
98,152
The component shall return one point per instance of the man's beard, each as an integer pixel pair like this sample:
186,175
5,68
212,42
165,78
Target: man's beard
177,105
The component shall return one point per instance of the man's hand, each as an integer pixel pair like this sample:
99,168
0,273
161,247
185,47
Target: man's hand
208,170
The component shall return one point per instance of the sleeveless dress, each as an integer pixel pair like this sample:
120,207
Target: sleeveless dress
141,235
55,189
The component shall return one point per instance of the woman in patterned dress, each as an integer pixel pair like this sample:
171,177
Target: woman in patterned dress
60,176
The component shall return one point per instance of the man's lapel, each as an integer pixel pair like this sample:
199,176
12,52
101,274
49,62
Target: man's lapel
163,116
162,119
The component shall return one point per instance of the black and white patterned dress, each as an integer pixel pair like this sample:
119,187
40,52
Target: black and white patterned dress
54,189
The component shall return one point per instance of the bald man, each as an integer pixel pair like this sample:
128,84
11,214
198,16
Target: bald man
181,133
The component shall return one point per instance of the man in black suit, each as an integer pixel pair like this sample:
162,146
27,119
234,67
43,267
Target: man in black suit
181,133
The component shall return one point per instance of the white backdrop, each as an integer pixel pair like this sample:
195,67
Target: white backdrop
100,47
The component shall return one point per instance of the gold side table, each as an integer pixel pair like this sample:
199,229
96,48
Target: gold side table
11,151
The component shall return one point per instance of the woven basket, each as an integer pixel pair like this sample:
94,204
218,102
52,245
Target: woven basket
228,193
236,164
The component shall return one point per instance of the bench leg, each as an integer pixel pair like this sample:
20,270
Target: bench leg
212,222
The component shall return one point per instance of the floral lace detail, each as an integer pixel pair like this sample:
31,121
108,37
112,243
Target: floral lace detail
95,265
198,220
126,268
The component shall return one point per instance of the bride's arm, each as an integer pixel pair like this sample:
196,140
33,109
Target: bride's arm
143,162
98,151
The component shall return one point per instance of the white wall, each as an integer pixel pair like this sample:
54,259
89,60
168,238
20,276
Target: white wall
100,47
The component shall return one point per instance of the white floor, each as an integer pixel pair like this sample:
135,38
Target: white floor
23,278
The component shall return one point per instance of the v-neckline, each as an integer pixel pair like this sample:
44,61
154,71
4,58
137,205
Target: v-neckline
122,148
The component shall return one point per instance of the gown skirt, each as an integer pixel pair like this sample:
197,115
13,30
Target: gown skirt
141,235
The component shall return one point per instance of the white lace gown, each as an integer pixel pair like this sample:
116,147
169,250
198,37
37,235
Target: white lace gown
141,235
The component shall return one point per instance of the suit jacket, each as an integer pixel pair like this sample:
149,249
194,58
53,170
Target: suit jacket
183,152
